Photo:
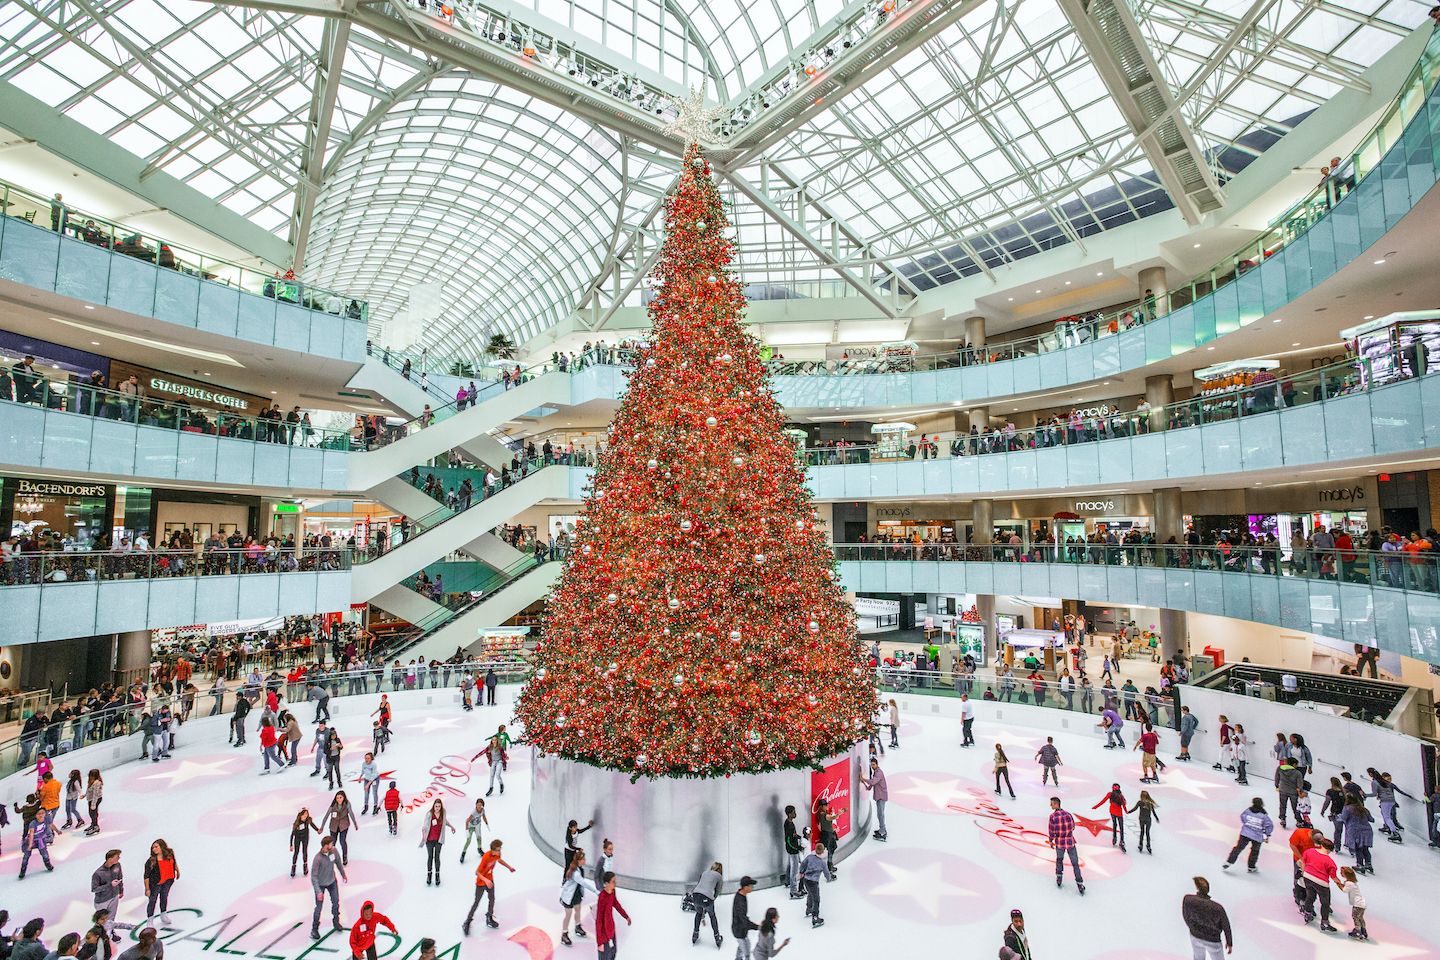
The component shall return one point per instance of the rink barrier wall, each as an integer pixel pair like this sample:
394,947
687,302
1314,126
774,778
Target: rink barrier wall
740,819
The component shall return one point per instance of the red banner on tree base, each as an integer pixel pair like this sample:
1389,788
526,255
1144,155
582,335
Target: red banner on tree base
832,785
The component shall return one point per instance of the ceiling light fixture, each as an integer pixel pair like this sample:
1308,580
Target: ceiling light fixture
1380,261
1369,316
155,344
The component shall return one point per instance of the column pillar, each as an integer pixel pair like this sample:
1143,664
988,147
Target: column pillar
985,607
1159,394
975,331
1169,522
907,611
1168,518
981,531
979,417
1152,284
132,651
982,513
1174,635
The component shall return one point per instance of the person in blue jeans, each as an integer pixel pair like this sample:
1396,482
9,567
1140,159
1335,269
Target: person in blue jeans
323,870
1112,724
812,868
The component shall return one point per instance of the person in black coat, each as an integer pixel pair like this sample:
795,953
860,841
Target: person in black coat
740,922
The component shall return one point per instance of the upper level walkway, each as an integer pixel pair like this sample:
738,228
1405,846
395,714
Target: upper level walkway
47,245
56,596
1385,600
1362,410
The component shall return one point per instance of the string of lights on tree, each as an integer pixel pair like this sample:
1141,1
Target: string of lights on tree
697,629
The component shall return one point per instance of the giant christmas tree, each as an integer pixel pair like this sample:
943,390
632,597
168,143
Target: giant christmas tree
697,629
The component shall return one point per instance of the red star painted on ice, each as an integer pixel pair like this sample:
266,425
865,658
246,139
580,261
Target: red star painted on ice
383,775
1094,826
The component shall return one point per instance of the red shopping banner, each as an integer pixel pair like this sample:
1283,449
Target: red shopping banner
831,785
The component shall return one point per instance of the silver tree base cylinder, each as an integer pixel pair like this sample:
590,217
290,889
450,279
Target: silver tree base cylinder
667,832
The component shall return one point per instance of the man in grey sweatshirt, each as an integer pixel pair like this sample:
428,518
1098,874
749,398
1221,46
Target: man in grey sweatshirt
322,880
107,884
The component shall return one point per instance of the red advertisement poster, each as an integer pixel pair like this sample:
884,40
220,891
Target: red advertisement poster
832,785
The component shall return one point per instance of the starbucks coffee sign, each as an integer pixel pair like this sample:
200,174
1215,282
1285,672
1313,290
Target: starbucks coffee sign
216,398
59,488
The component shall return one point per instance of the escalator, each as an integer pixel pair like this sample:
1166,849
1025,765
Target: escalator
444,531
437,635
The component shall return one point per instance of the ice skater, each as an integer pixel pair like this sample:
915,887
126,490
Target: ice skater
432,838
362,932
572,894
1116,799
473,825
1049,760
300,840
1062,841
880,793
485,885
1001,764
812,868
1145,810
1255,829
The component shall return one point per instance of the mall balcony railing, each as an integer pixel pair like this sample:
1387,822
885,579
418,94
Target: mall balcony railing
78,397
1414,568
139,244
1268,394
80,566
119,722
1393,164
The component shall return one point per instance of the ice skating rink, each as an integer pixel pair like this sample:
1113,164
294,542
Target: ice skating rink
958,858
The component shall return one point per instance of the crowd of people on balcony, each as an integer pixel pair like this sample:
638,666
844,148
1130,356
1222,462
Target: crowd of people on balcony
43,556
1382,557
128,401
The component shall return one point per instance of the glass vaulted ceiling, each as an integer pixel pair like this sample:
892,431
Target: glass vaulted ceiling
994,140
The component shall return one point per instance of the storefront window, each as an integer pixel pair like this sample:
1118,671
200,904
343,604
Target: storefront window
62,515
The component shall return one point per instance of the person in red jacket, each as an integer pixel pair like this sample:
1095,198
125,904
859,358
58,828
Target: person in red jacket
392,807
1116,799
362,934
605,909
269,739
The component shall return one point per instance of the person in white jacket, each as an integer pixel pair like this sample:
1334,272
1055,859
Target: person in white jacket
1240,750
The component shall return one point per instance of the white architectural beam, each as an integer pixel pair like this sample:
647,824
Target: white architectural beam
775,212
1118,49
333,45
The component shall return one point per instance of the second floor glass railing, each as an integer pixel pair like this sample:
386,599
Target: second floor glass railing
55,214
133,405
1411,562
1265,395
82,566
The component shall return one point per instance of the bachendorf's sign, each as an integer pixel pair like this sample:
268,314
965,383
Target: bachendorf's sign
199,393
47,488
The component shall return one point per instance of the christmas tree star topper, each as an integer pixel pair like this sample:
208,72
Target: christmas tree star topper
693,119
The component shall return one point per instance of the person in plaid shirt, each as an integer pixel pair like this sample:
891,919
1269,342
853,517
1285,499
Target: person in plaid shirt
1062,838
